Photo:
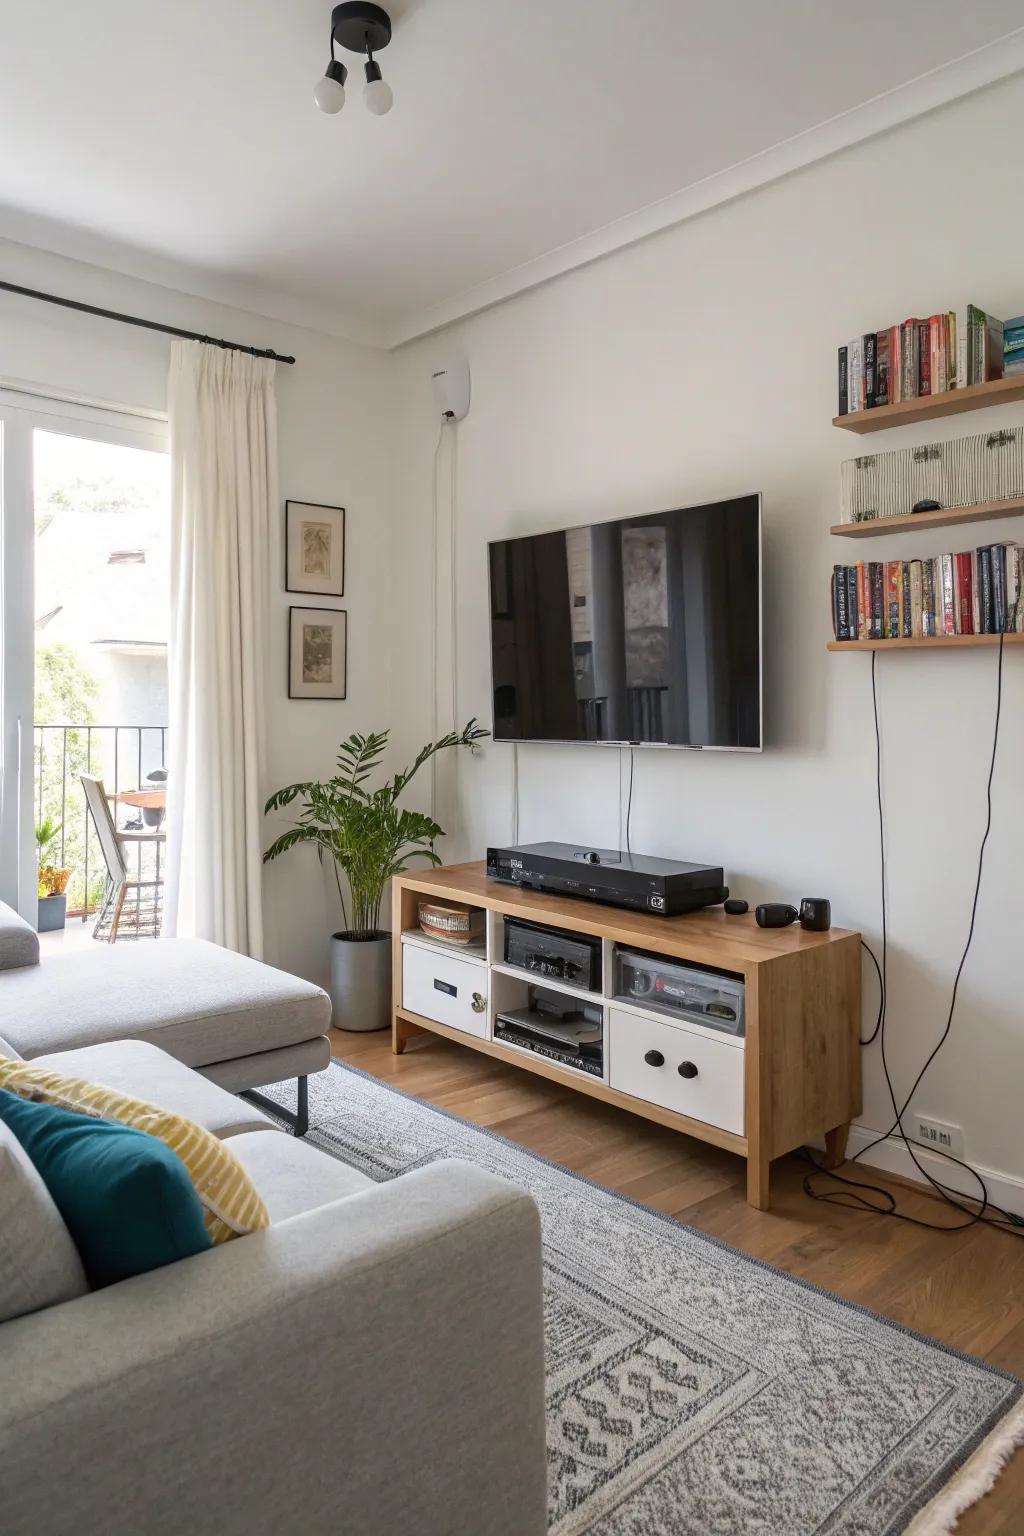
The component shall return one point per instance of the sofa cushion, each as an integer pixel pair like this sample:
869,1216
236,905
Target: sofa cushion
19,943
125,1197
229,1199
292,1176
136,1067
195,1000
39,1263
7,1049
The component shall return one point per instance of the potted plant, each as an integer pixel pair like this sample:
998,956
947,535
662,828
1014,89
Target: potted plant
367,838
52,881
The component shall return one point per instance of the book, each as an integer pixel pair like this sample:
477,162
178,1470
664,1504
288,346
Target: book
910,359
844,397
878,600
883,342
840,616
927,598
963,369
986,600
997,554
924,360
851,602
1014,589
906,613
938,331
869,370
893,599
916,584
948,596
964,610
895,363
1013,346
855,373
863,601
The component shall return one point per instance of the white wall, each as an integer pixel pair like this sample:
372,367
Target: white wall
335,440
699,365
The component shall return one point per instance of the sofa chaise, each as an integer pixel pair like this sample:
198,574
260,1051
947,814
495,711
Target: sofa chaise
240,1023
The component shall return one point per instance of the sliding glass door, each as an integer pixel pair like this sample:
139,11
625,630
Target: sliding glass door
84,543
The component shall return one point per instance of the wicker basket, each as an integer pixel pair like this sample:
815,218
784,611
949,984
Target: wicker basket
964,472
455,925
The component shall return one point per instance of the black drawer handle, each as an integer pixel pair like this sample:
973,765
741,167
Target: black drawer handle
687,1069
654,1058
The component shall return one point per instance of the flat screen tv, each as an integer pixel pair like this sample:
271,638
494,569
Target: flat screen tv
645,630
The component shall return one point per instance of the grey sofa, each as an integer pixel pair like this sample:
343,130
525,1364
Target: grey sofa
239,1022
371,1364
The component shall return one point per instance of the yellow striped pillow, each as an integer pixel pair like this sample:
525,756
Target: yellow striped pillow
231,1202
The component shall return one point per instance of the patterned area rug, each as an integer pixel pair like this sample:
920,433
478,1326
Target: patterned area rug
693,1391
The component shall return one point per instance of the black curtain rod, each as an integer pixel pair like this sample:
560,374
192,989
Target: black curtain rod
148,325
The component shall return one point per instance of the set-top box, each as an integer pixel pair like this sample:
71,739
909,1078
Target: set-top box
665,886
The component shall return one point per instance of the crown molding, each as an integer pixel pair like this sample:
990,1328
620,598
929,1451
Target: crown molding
984,66
251,300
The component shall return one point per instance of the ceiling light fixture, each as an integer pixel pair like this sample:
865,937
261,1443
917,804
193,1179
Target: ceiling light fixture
364,29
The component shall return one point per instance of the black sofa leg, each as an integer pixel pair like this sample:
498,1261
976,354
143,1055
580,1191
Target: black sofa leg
299,1121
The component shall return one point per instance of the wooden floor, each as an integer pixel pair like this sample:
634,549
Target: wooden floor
966,1289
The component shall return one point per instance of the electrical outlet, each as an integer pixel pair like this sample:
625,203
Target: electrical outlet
937,1134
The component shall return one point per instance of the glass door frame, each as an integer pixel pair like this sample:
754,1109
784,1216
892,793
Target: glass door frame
22,413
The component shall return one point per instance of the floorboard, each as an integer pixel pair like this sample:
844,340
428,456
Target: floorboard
965,1288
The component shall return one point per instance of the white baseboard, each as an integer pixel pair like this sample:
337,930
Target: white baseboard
892,1156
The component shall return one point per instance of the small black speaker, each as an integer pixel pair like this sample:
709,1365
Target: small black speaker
775,914
816,914
736,906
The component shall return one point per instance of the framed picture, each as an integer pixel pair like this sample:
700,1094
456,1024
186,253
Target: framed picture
314,548
317,653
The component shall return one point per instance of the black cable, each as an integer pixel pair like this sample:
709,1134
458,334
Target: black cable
881,991
629,802
1003,1220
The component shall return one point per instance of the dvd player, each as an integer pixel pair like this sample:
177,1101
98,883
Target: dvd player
665,886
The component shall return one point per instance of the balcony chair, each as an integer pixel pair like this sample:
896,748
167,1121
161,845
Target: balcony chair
143,916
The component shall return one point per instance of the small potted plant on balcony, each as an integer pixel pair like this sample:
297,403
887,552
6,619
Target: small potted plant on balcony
367,838
52,880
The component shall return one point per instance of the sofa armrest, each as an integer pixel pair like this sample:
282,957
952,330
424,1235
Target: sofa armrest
374,1366
19,942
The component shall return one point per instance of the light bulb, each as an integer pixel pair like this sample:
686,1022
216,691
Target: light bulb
376,92
329,93
379,97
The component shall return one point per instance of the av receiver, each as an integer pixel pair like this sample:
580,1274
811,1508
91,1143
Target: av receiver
665,886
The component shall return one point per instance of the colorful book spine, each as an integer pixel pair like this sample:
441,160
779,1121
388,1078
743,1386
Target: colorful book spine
964,594
844,392
855,373
883,343
915,581
948,597
928,598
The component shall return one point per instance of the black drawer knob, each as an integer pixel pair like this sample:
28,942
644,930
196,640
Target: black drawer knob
687,1069
654,1058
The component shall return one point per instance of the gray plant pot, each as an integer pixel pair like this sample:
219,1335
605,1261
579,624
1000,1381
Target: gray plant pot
361,981
53,911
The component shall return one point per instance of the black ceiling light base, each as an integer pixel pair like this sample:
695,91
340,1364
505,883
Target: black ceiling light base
361,27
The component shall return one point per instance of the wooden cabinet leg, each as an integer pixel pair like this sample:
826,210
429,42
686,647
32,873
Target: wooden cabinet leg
835,1145
758,1181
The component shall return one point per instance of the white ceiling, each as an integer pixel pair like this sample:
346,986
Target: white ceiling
179,141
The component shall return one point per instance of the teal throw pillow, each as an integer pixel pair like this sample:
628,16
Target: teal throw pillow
125,1197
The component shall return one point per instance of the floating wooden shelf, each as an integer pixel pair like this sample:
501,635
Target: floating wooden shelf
932,642
945,517
926,407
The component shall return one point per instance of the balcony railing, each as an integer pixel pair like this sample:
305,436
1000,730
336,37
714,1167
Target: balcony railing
122,756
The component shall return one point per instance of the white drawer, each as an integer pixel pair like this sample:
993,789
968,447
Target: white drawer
712,1093
445,987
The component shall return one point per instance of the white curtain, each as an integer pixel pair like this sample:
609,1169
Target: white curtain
223,422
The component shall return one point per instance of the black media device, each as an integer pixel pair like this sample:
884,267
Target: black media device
573,957
816,914
775,914
665,886
640,630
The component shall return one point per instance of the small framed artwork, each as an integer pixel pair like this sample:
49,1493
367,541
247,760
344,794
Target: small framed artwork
317,653
314,548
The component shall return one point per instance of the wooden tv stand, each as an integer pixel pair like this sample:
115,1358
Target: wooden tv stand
793,1078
